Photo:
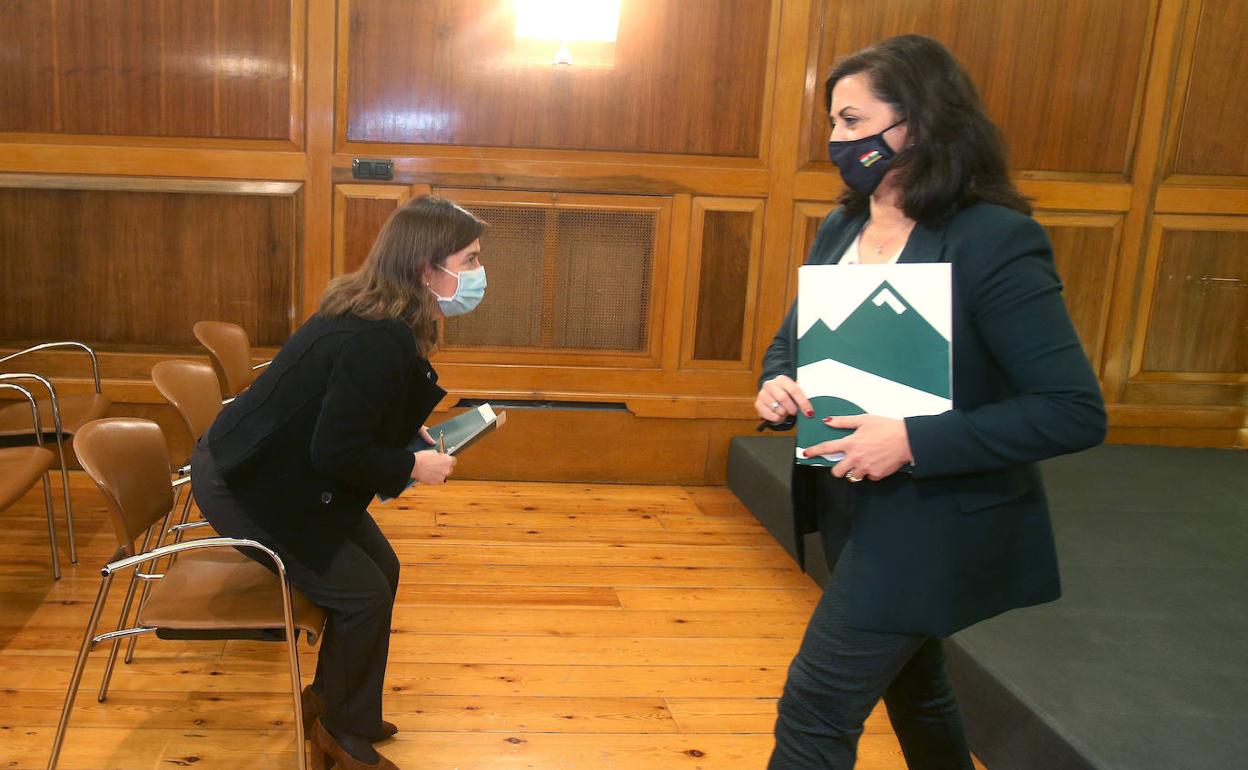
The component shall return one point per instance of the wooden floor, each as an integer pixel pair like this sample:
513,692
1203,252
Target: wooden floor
537,626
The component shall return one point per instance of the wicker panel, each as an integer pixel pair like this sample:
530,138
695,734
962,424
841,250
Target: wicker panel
602,290
561,278
512,252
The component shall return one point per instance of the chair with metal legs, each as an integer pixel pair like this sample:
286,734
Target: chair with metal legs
21,467
191,388
69,412
229,349
213,591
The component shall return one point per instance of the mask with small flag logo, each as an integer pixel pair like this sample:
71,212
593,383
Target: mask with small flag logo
863,162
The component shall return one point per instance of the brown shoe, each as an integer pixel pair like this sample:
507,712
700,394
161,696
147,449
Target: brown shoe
314,707
326,753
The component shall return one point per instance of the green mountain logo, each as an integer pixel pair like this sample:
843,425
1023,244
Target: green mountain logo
887,337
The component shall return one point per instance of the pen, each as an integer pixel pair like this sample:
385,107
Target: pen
442,443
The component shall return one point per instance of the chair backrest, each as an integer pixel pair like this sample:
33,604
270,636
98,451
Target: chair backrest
192,388
128,460
229,349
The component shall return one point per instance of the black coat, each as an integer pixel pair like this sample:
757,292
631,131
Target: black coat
323,429
967,535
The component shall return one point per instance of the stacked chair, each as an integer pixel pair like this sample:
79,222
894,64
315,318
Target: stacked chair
21,467
69,413
191,388
229,349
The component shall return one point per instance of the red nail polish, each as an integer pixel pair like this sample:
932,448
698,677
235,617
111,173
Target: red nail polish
810,412
827,419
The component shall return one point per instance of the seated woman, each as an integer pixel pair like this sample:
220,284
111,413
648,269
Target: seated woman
294,461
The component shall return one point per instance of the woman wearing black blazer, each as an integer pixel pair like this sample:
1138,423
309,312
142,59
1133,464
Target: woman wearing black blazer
933,523
294,461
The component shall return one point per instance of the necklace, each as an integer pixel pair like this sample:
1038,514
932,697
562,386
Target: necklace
878,245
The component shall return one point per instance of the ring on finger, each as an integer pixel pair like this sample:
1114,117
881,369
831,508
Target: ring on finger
851,478
774,406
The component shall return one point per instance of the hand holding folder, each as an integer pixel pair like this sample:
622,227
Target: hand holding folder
455,435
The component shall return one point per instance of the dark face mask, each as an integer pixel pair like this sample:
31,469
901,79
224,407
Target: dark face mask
863,162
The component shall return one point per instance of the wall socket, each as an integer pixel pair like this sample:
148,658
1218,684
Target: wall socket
372,169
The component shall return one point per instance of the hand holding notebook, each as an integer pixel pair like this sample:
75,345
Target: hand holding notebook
456,434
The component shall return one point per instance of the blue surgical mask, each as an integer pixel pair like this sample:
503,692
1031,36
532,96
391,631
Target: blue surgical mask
469,289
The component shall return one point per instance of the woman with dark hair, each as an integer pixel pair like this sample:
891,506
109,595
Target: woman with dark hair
931,523
294,461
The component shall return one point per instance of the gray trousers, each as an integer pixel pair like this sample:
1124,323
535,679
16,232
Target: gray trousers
840,673
356,589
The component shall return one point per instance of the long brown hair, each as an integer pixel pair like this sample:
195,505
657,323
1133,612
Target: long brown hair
391,282
954,155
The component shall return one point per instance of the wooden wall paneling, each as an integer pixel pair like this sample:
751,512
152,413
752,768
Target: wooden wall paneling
1145,174
675,451
1213,99
721,282
135,270
562,171
148,184
359,212
318,231
1085,250
1185,199
549,133
1190,437
815,131
1076,112
97,48
1074,193
28,77
588,379
157,70
200,162
797,32
297,82
807,216
464,86
254,80
602,306
677,280
1194,307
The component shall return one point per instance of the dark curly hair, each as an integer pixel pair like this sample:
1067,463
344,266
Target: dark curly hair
954,155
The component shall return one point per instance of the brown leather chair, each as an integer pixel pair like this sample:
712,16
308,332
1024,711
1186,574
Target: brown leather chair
191,388
229,349
68,414
21,467
212,591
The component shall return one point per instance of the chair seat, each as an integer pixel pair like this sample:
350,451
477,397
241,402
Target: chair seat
20,468
217,589
76,411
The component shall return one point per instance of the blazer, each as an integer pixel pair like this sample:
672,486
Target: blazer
965,533
323,429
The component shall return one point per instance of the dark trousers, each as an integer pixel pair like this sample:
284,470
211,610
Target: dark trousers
356,589
840,673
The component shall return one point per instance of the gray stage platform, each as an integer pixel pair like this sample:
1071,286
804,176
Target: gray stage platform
1143,664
